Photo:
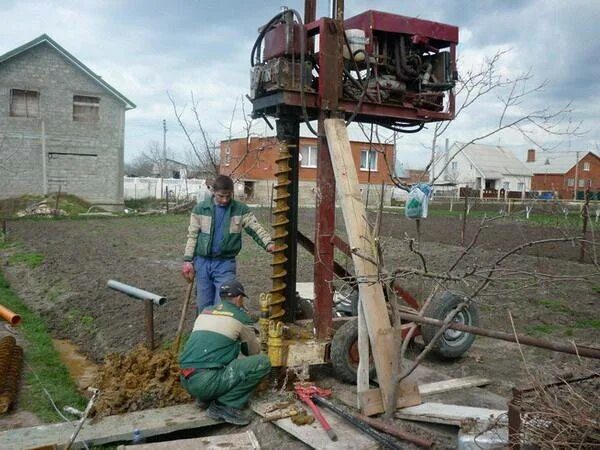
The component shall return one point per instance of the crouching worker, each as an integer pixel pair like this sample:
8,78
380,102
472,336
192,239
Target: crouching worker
210,368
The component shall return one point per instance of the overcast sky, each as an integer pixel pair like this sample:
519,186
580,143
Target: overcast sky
146,48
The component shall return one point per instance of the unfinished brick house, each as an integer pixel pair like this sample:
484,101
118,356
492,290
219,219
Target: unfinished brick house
253,164
564,175
61,126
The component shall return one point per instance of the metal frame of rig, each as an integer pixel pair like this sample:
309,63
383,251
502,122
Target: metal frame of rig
378,68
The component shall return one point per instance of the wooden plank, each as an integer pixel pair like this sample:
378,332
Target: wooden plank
150,422
450,414
452,385
314,435
408,395
359,239
362,374
235,441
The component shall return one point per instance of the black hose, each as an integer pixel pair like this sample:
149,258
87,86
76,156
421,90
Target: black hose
383,439
400,128
257,45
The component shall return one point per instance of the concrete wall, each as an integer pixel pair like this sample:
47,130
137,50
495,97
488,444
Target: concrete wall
84,159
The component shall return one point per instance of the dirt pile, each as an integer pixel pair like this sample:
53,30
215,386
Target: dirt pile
139,380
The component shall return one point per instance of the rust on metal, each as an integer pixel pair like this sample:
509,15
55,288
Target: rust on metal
280,232
579,350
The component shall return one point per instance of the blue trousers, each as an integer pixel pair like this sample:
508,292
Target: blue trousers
211,273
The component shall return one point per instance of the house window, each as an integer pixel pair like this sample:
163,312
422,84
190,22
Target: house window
506,186
86,109
571,182
454,165
368,160
586,166
227,157
308,156
24,103
581,182
520,186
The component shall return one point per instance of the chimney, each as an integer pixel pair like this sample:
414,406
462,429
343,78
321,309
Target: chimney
531,155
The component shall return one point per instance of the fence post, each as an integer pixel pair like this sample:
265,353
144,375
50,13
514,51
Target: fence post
585,212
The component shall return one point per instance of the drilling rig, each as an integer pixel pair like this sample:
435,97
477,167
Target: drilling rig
374,68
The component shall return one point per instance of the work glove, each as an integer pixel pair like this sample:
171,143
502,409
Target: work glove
187,271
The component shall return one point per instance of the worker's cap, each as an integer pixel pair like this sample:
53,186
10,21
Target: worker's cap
232,288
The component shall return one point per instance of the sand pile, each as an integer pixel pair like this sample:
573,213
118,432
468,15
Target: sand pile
139,380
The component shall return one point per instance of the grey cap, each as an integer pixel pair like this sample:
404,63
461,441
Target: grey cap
232,288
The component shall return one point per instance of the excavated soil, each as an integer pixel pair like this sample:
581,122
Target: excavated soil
69,287
139,380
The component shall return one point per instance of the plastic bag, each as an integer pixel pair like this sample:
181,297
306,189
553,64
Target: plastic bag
417,203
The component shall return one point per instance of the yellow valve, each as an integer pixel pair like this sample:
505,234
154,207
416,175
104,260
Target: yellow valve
275,343
263,322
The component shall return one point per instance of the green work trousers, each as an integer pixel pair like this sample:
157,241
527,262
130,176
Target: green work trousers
232,385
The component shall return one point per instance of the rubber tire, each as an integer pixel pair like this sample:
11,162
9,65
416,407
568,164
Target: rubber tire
343,339
453,343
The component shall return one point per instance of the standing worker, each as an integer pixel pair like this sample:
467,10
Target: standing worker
210,368
215,239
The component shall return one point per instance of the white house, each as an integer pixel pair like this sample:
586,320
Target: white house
489,169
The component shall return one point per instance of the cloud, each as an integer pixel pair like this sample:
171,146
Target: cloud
146,48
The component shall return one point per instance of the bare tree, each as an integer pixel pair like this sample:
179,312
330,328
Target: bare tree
514,96
205,151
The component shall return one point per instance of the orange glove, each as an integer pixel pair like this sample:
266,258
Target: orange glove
188,271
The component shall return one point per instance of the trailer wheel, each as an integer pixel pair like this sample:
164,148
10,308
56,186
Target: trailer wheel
453,343
344,352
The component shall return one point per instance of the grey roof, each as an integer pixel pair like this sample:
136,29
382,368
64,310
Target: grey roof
45,39
555,162
493,161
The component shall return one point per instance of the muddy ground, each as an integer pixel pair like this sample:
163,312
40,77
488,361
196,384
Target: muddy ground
69,287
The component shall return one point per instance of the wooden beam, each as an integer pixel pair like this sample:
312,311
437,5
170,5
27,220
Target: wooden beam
363,255
235,441
450,414
370,401
362,374
313,434
150,422
452,385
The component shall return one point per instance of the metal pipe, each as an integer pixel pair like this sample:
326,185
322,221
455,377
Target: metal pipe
395,431
588,352
387,441
136,292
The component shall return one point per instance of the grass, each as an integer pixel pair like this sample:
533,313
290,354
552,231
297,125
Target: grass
543,328
556,306
588,323
30,259
43,367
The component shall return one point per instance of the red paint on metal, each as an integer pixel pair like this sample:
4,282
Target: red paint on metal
341,245
374,21
405,295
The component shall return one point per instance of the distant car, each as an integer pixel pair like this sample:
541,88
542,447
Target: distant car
546,196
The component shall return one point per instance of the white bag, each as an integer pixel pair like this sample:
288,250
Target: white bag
417,203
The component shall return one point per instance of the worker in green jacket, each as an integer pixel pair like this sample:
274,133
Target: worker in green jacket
210,368
215,238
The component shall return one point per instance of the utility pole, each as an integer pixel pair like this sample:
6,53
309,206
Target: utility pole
576,175
164,145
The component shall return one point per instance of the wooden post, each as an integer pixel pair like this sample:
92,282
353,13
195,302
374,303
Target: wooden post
585,213
464,221
370,290
362,374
